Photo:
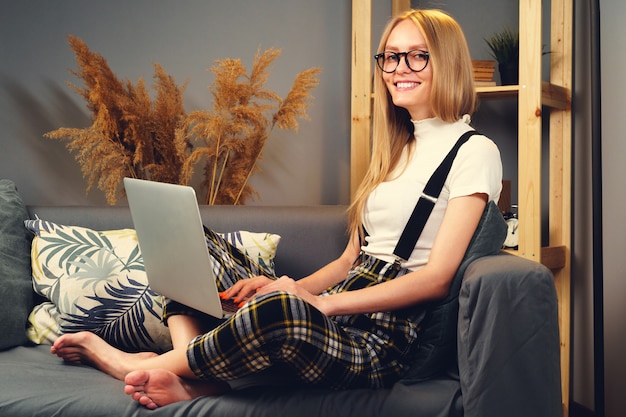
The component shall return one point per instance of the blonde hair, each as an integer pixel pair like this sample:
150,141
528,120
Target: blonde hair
452,96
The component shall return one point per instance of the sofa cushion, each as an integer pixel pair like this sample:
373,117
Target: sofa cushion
437,337
95,281
85,391
16,295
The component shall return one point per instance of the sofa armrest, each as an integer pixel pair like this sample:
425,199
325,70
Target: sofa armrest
508,341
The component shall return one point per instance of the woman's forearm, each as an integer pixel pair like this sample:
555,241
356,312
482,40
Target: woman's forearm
413,288
327,276
333,272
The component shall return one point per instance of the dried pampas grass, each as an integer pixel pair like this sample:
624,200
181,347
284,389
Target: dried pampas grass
230,138
131,135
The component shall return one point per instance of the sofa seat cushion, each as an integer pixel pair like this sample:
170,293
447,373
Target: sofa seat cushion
35,383
85,391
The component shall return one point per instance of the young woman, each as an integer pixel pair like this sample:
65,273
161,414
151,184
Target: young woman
361,331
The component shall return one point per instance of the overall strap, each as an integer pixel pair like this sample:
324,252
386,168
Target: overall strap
426,202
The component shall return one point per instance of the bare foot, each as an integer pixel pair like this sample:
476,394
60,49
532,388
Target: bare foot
87,348
159,387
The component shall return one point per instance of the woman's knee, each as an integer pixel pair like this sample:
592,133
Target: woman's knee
281,310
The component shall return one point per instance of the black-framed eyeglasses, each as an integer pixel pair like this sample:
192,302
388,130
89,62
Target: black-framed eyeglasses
416,60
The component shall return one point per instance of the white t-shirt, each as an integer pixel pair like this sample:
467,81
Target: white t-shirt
477,168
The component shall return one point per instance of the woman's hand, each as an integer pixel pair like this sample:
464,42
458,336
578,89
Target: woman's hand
291,286
306,288
245,288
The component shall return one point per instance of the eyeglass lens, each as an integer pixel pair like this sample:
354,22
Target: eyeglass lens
388,61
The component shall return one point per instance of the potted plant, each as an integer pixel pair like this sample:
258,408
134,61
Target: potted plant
504,48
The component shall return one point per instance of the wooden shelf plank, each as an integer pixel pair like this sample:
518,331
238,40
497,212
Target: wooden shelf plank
552,257
360,132
555,96
561,41
498,91
552,95
529,130
399,6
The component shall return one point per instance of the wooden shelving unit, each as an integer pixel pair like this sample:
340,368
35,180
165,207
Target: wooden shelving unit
537,99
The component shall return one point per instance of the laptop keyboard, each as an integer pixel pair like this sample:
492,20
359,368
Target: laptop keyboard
229,305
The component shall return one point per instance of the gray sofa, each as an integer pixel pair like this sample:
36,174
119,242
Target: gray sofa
507,359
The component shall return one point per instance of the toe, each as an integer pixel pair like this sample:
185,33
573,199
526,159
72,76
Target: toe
137,378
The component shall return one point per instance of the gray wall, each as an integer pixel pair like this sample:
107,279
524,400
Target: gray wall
312,166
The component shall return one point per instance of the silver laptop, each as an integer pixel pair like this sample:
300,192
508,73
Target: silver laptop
172,243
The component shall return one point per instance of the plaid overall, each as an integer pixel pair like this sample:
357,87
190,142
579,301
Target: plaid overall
355,351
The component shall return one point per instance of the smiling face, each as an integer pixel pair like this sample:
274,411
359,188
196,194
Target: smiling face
410,90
